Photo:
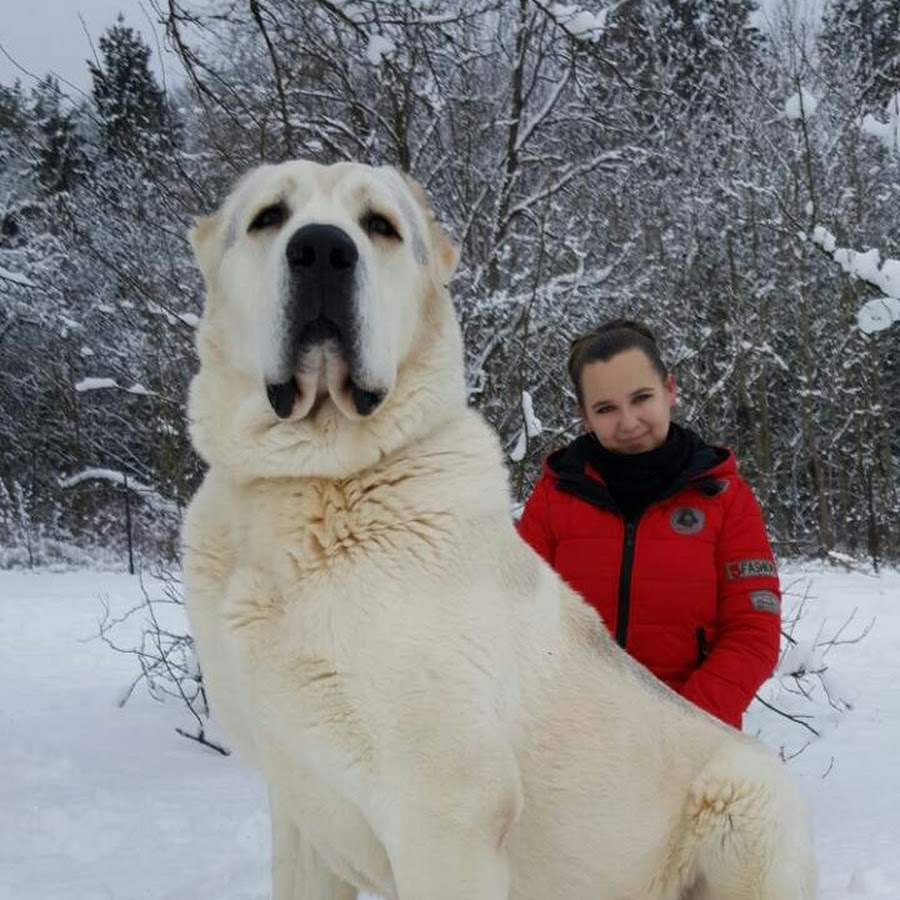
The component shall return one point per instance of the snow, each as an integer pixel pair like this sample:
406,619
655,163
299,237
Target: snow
99,801
800,105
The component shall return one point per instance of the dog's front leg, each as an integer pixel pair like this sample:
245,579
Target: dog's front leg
438,854
439,861
450,867
298,872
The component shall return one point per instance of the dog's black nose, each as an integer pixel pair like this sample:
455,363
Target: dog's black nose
323,247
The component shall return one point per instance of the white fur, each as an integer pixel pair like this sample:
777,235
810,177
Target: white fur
437,715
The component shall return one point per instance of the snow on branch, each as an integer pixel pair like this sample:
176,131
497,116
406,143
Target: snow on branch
174,318
15,278
544,112
95,384
886,132
800,105
579,23
608,159
379,48
151,497
881,312
531,429
103,384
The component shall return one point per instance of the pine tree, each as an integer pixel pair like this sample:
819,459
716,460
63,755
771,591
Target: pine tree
13,115
134,118
58,151
13,136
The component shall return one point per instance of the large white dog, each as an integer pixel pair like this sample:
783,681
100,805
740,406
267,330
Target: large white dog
437,715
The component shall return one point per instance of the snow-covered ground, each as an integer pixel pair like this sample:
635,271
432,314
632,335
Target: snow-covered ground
99,802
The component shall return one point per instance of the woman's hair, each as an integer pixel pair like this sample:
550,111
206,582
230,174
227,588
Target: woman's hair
608,340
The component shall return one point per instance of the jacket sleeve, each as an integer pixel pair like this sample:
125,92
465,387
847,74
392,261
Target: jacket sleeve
534,525
748,627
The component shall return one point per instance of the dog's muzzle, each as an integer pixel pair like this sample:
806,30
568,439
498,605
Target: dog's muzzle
322,276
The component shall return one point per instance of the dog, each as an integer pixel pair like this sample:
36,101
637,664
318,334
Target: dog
437,715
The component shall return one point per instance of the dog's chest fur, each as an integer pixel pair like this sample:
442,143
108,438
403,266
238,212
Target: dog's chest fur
382,521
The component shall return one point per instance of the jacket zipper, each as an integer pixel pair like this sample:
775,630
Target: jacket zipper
624,609
702,646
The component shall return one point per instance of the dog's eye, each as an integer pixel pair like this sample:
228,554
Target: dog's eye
270,217
376,224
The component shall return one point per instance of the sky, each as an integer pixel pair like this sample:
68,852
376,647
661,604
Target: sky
48,35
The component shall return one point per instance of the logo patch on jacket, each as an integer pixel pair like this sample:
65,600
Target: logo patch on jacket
687,520
765,601
750,568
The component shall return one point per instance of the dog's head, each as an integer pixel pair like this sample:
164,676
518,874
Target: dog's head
328,338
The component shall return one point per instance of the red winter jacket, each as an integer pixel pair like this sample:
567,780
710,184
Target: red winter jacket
689,588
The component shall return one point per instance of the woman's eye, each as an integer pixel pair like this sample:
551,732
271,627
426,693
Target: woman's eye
603,410
642,397
270,217
375,224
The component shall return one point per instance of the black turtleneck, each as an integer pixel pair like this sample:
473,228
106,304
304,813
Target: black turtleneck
631,482
635,480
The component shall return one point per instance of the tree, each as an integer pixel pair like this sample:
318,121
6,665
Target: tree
58,155
13,114
131,107
678,174
680,50
15,157
868,33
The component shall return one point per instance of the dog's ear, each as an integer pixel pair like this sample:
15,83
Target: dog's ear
447,252
202,236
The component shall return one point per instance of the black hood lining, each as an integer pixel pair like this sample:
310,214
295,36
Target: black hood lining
569,465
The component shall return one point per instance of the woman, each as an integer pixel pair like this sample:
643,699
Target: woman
657,530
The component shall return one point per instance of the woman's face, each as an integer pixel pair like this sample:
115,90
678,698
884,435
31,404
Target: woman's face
626,403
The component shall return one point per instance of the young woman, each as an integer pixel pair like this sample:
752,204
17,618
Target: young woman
657,530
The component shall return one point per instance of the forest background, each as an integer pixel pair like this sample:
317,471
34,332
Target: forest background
737,187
